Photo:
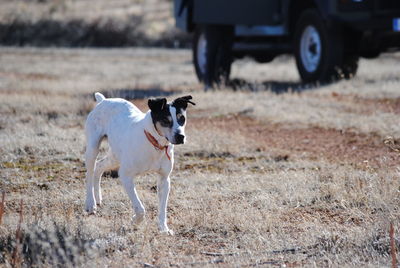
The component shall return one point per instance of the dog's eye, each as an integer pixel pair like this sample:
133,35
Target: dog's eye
181,119
165,122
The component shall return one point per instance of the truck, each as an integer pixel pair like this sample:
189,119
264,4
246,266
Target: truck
326,37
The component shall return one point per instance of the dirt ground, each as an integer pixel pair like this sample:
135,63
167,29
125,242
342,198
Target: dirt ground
275,172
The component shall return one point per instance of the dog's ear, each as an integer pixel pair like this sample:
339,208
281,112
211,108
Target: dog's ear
157,104
182,102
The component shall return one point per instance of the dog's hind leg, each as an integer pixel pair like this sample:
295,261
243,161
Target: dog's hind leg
129,185
92,150
109,162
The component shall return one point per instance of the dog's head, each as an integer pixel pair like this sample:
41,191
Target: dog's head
170,118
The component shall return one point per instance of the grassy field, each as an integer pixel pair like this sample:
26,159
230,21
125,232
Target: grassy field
275,173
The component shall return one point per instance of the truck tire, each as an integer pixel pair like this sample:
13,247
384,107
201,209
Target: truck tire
318,48
199,53
212,56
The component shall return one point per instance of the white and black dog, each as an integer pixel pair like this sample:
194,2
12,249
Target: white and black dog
139,142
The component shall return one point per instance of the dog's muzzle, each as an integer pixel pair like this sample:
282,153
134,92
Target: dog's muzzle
179,139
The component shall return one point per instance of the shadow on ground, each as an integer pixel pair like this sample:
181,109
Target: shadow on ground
277,87
104,32
137,93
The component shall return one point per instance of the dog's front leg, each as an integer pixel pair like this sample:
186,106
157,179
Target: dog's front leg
130,188
163,186
90,159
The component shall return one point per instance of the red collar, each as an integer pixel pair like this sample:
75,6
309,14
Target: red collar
155,143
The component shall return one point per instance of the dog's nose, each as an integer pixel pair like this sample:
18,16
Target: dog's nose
179,138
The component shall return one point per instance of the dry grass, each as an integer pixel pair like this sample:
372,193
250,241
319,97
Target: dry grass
238,198
97,23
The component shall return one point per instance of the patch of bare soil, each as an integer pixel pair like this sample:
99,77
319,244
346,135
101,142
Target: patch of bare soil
360,150
388,105
30,76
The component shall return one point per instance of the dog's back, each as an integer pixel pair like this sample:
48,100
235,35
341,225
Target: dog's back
109,112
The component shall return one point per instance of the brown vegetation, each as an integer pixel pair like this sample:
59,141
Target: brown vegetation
96,23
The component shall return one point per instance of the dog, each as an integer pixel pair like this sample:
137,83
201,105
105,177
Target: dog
139,142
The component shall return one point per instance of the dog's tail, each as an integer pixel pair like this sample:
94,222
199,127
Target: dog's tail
99,97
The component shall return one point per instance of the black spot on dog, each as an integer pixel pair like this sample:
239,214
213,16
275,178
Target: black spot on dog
111,173
160,112
180,105
180,118
182,102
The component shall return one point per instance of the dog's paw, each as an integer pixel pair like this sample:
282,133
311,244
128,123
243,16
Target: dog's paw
138,218
166,230
90,207
91,211
98,199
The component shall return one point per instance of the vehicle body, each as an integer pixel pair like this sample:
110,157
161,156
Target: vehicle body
327,37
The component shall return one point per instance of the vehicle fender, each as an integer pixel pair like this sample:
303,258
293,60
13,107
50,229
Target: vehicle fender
291,10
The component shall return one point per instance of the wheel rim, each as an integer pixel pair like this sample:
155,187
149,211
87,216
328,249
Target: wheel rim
201,53
310,49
